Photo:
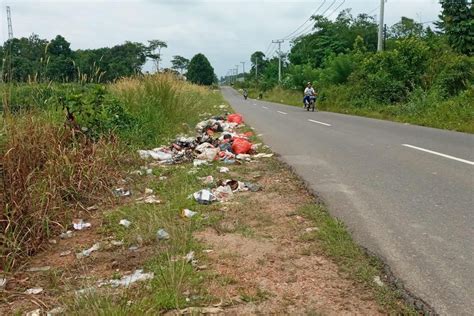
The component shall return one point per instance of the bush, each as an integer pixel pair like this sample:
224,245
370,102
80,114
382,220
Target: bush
454,74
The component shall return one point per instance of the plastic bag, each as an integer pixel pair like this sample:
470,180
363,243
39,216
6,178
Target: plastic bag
235,118
241,146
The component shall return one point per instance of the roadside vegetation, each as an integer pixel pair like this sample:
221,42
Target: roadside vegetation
423,76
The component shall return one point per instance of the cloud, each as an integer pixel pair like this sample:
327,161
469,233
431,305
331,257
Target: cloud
226,31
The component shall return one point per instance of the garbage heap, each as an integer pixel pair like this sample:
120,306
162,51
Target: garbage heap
216,139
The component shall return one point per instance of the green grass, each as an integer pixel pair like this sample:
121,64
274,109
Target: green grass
337,243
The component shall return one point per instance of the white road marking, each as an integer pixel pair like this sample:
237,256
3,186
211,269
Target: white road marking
264,107
284,113
318,122
440,154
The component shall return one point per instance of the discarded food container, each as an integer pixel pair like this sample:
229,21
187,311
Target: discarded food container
204,196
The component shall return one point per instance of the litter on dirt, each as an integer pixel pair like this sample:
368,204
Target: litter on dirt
116,243
65,253
87,252
378,281
151,199
201,311
190,257
208,180
79,224
148,191
125,223
39,269
3,283
127,280
223,170
36,312
199,162
223,193
162,234
56,311
66,235
34,291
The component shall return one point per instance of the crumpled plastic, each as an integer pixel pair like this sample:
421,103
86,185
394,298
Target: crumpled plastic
241,146
235,118
204,196
128,280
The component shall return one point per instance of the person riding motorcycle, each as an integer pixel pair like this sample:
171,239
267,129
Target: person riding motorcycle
308,94
246,94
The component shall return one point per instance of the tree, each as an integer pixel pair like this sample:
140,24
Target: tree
179,63
200,70
153,46
405,28
457,21
258,60
60,65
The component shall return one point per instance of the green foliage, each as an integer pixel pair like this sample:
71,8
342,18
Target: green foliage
457,20
406,28
179,63
200,70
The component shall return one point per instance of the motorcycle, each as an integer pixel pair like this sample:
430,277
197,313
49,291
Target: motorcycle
311,104
246,95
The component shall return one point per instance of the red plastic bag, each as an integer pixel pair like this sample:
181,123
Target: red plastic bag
235,118
241,146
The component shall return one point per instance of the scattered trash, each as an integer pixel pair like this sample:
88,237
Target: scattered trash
378,281
235,118
127,280
162,178
125,223
65,253
311,229
116,243
208,180
136,173
36,312
263,155
201,310
34,291
189,258
188,213
151,199
3,283
157,154
121,192
79,224
66,235
162,234
223,170
223,193
204,197
87,252
199,162
241,146
53,241
148,191
55,311
208,250
243,157
133,248
253,187
87,290
149,171
39,269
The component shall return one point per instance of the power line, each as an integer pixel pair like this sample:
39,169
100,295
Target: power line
311,26
309,19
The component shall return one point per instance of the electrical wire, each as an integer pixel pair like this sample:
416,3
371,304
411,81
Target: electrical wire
309,19
310,27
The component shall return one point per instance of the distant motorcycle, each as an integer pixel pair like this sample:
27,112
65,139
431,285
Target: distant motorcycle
245,94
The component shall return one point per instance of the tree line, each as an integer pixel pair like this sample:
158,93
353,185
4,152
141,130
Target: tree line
35,59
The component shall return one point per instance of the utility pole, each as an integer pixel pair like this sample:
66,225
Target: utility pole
381,24
279,57
236,72
10,27
243,67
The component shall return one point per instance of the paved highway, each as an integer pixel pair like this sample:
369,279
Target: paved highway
405,192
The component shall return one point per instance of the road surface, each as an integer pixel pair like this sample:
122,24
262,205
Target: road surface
405,192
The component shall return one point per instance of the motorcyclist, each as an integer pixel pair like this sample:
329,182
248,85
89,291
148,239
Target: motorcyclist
246,94
308,93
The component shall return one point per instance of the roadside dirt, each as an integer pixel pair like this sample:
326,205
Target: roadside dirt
264,250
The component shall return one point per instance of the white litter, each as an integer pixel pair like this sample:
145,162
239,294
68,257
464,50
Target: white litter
39,269
223,193
208,250
65,253
34,291
3,282
79,224
149,171
148,191
263,155
122,192
127,280
204,196
162,178
151,199
87,252
208,180
116,243
378,281
311,229
162,234
189,257
209,154
36,312
199,162
157,154
224,170
55,311
188,213
66,235
125,223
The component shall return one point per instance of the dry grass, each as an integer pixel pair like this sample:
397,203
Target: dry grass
49,172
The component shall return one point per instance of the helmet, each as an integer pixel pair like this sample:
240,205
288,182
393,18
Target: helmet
309,82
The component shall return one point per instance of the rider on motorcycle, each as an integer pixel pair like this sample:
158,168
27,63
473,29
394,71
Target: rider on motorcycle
308,93
246,94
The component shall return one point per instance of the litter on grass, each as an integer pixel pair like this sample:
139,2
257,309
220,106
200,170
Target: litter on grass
204,196
3,283
208,180
39,269
148,191
128,280
125,223
122,192
162,234
66,235
79,224
188,213
223,170
34,291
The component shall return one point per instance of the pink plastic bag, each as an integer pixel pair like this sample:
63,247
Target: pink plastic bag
235,118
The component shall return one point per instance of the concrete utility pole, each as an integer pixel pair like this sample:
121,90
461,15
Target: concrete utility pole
279,57
382,10
10,27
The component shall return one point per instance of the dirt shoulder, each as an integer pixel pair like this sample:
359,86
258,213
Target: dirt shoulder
269,250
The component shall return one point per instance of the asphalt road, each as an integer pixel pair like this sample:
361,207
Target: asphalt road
405,192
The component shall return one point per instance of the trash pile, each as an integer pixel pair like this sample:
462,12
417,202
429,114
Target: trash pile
216,139
224,191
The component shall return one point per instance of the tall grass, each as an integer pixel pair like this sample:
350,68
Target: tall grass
50,171
161,104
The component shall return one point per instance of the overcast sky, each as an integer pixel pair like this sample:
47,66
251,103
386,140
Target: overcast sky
226,31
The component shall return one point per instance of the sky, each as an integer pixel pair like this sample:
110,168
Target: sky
226,31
